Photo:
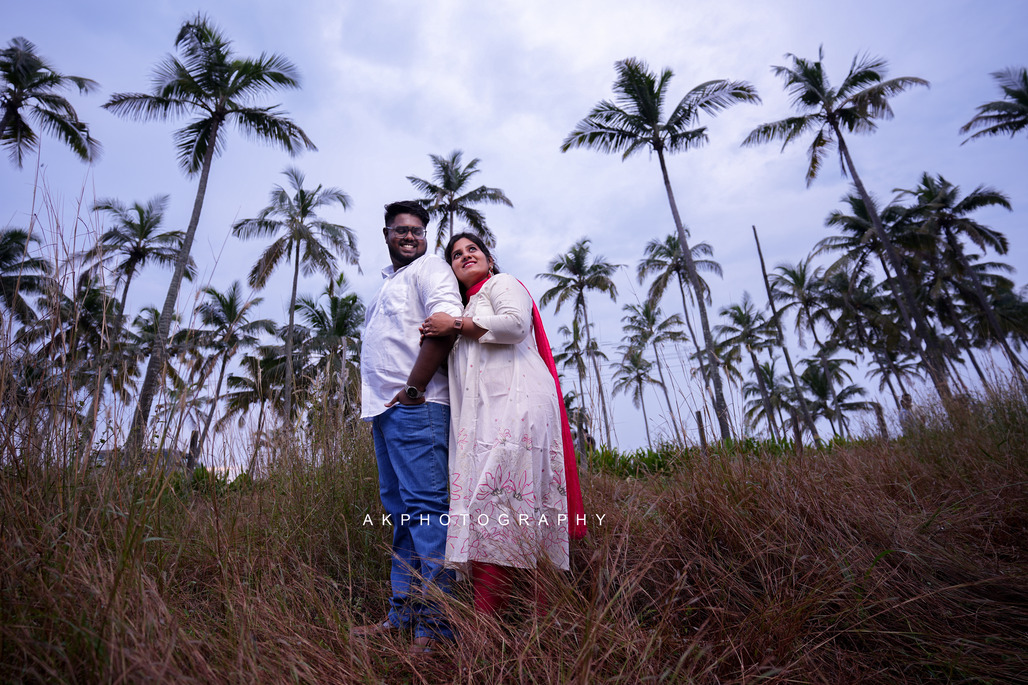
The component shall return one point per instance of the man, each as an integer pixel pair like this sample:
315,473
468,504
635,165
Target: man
405,396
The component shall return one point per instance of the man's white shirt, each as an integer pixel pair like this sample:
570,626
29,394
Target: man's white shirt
391,339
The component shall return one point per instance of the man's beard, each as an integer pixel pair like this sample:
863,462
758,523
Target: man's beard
403,260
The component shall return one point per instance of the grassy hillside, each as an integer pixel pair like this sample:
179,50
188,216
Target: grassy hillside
876,562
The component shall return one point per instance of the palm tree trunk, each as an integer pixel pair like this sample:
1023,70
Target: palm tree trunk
694,340
667,397
965,344
892,390
895,372
877,356
974,363
956,374
289,340
768,411
580,419
990,313
820,354
257,440
785,349
89,429
646,421
599,380
159,355
680,393
899,284
210,414
720,407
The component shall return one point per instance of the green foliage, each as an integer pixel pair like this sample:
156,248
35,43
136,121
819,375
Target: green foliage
664,458
752,447
28,83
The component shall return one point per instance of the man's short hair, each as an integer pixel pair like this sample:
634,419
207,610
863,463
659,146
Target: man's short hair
394,209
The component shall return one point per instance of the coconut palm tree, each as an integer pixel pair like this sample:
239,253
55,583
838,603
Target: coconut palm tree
636,121
645,326
942,213
1012,311
777,389
858,314
1009,115
747,328
302,235
144,335
849,279
63,348
860,100
889,364
631,377
21,274
575,274
776,322
831,393
253,386
799,288
135,240
335,328
857,240
27,82
573,355
663,259
210,82
226,330
449,197
77,334
729,361
951,297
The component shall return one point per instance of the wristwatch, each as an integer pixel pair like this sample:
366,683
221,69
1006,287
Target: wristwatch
458,323
413,393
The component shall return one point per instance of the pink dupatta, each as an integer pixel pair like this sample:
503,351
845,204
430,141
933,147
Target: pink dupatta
576,509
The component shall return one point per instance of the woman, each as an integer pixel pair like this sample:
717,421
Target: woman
514,492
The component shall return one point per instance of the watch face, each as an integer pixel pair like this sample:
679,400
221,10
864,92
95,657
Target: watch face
412,392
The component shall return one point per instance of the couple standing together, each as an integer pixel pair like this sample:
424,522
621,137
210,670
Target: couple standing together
476,465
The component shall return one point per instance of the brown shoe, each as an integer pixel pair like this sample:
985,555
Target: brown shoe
383,629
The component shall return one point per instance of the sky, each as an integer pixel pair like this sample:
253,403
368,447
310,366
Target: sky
386,84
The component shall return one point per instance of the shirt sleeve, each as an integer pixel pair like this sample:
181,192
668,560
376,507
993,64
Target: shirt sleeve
511,321
438,288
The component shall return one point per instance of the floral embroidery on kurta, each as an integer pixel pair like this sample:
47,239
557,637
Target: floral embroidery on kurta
507,498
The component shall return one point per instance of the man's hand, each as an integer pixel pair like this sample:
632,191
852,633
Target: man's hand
401,398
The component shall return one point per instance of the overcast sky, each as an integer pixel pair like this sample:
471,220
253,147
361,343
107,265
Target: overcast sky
385,84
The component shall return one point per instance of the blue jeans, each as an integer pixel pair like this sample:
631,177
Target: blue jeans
411,446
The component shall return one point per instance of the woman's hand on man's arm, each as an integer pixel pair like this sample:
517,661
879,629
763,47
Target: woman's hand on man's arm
442,324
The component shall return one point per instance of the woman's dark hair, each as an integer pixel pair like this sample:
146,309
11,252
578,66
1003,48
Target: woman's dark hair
480,244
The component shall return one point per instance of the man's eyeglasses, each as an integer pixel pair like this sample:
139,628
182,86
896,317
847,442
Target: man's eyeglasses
416,231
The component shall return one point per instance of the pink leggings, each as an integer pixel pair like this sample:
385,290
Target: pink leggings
491,583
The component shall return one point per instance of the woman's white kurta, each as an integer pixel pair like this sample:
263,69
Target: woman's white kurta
508,498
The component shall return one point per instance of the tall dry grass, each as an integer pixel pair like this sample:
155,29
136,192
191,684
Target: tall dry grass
882,562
